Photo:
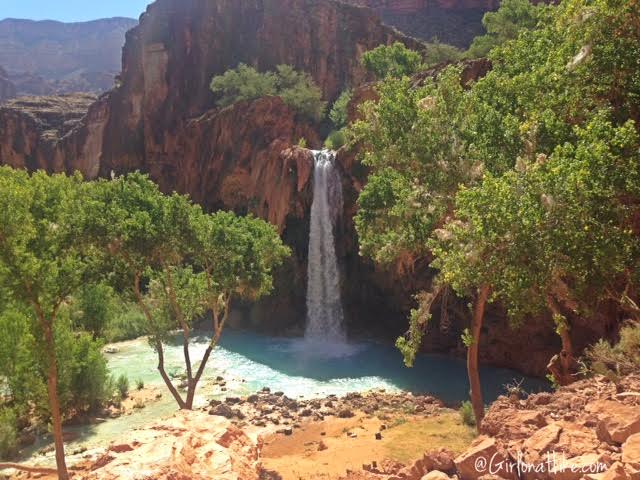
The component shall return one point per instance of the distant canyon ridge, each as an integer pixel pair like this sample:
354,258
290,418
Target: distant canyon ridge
48,57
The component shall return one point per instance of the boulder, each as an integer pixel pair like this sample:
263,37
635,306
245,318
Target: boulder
436,475
188,445
631,450
578,467
617,421
483,457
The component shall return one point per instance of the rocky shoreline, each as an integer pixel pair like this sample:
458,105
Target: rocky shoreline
591,428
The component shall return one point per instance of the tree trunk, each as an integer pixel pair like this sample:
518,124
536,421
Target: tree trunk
218,327
54,404
472,356
159,349
176,395
562,367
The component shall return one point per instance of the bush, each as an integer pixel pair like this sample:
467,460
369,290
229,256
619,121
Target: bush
620,359
93,308
140,384
243,83
90,387
392,61
8,434
437,53
466,414
339,114
127,323
122,385
335,140
296,89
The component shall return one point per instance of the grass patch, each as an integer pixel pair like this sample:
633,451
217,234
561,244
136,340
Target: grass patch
410,440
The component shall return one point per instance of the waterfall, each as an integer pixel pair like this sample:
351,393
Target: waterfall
325,318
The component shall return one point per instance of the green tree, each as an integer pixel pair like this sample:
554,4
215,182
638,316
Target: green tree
296,89
191,262
479,160
437,53
394,60
339,114
43,260
243,83
505,24
93,308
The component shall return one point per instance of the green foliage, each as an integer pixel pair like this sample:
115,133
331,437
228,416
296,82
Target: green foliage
298,90
8,433
94,306
466,414
140,384
622,358
528,179
122,386
437,53
392,61
339,114
336,140
245,83
505,24
127,322
302,143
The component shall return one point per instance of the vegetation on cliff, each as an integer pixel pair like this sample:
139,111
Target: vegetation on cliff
524,188
296,89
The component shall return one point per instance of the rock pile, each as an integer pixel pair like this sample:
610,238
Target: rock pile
267,409
588,430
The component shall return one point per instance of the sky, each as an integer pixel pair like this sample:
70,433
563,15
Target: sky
71,10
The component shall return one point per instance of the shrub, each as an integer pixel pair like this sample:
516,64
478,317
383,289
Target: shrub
126,324
242,83
122,385
140,384
335,140
93,308
466,414
8,434
437,53
302,143
296,89
89,387
392,61
339,114
620,359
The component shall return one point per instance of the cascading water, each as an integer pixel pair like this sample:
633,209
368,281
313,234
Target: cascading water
325,318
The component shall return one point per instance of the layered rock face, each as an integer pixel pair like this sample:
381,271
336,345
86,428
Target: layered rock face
7,88
47,57
455,22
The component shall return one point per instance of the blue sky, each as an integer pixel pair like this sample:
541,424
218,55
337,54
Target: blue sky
71,10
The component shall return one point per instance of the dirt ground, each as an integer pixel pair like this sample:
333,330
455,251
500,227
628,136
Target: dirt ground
326,450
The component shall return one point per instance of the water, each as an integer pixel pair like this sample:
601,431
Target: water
325,318
249,362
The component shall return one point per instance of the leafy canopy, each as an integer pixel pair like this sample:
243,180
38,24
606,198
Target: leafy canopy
245,83
527,179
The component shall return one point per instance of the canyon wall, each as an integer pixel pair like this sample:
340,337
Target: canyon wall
455,22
